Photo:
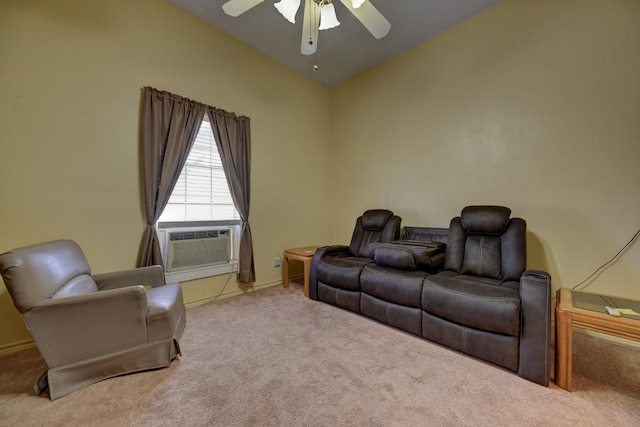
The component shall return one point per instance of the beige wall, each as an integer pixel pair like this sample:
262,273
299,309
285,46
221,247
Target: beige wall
71,74
533,105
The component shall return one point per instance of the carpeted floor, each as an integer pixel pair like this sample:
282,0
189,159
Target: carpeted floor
276,358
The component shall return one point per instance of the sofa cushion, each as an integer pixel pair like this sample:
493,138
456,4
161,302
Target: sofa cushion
396,286
403,258
342,272
409,255
482,257
475,305
80,285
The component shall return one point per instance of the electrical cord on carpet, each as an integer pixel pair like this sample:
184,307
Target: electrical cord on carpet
611,261
227,282
212,299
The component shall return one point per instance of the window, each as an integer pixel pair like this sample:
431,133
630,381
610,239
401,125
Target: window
200,205
202,192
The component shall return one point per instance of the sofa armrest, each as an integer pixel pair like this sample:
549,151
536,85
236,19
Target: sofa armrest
80,327
535,331
335,250
152,275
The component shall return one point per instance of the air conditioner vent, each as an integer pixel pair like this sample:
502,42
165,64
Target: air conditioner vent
199,234
189,249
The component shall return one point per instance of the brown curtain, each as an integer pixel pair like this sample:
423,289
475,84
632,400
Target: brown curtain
233,138
170,125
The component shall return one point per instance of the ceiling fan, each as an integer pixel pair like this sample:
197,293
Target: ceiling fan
318,15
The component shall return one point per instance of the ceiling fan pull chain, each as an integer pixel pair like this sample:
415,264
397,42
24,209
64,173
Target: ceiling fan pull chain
311,19
315,54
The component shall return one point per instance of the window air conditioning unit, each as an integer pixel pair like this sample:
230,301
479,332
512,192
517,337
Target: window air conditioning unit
189,249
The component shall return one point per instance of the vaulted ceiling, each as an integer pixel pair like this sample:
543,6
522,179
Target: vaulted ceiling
345,51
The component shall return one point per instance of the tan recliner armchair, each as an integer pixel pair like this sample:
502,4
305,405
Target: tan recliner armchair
92,327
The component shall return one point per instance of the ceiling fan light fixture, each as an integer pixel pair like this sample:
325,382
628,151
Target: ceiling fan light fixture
288,9
328,18
357,3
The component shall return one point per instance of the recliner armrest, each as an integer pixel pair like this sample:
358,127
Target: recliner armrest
89,325
321,252
535,331
152,275
334,250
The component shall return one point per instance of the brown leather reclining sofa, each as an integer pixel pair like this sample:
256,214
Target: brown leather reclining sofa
480,300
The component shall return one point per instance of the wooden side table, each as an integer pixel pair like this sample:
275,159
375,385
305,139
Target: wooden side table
299,254
568,315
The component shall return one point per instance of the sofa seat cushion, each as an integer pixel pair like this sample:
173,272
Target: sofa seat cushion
472,304
392,285
342,271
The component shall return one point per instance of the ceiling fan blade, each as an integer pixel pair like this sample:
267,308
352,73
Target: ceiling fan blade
310,25
238,7
370,17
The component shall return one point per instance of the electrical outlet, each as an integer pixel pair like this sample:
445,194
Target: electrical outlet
277,261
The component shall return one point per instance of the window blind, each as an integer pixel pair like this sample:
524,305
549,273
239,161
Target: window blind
202,192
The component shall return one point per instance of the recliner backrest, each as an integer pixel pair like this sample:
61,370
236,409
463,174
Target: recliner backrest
51,270
374,226
485,242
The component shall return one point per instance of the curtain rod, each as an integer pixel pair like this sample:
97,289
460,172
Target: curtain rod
180,98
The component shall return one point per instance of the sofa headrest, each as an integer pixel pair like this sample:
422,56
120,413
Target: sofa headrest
489,220
375,219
